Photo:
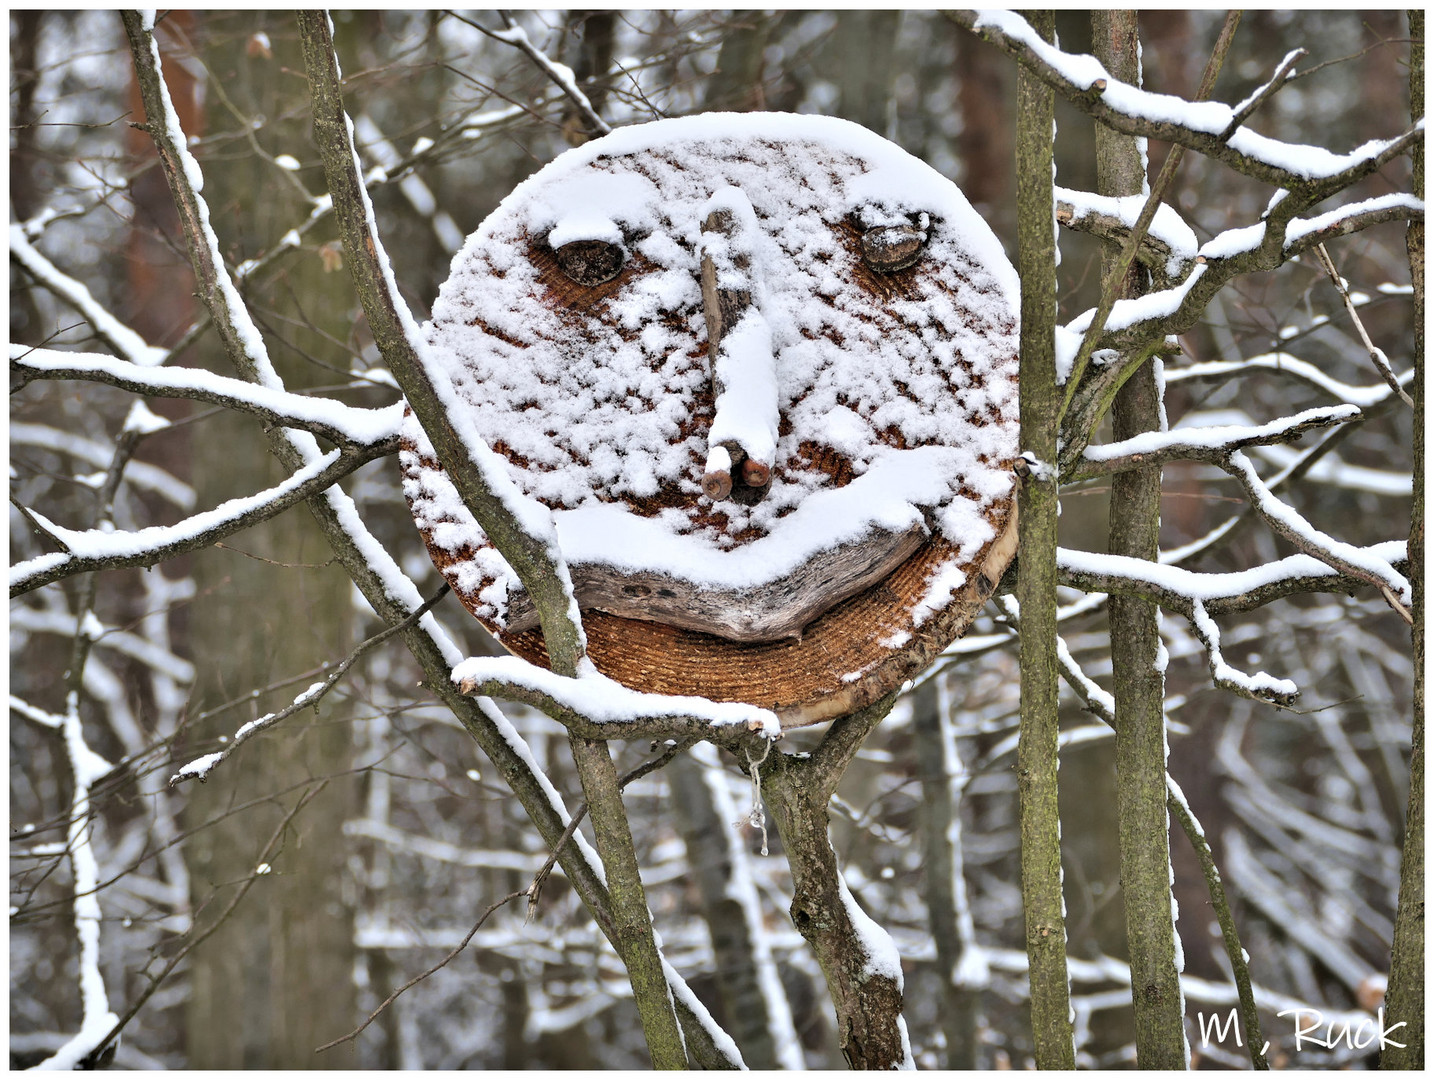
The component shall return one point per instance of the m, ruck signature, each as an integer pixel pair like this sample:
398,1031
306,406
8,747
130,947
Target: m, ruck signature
1311,1030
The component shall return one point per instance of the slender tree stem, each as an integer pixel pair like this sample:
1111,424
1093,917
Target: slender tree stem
535,559
1036,587
1134,627
1406,969
633,922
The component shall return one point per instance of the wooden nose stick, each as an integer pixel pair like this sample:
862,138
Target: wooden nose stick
742,442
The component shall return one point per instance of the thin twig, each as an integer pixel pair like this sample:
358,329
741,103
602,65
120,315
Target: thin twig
532,892
452,954
310,698
157,980
1259,97
535,889
1381,362
562,76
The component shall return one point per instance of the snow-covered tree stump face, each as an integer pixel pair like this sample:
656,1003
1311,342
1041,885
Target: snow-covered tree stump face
763,370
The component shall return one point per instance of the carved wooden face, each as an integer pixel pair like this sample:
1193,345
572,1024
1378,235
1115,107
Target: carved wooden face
763,370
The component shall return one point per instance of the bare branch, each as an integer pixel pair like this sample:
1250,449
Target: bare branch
1381,362
447,959
309,699
156,981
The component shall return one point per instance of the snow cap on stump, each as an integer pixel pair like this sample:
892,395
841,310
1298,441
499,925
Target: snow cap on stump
800,517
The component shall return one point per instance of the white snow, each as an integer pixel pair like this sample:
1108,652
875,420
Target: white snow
1154,305
1299,228
596,412
1167,225
199,767
875,943
1214,437
1209,117
362,426
101,543
139,419
604,701
128,343
1214,586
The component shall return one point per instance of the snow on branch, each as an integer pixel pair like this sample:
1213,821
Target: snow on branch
1212,444
333,420
1362,396
119,337
1209,127
1174,588
522,529
1198,596
100,549
1262,246
597,707
232,321
1260,686
1169,247
1359,563
96,1019
1136,328
560,74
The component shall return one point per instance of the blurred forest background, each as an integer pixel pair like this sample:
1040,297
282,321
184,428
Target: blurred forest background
365,838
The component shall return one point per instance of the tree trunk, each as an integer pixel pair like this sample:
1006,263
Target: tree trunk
862,970
1139,681
865,42
1036,584
736,85
1406,970
276,980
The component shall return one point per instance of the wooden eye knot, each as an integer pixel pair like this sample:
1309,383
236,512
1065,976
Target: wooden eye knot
590,262
889,248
